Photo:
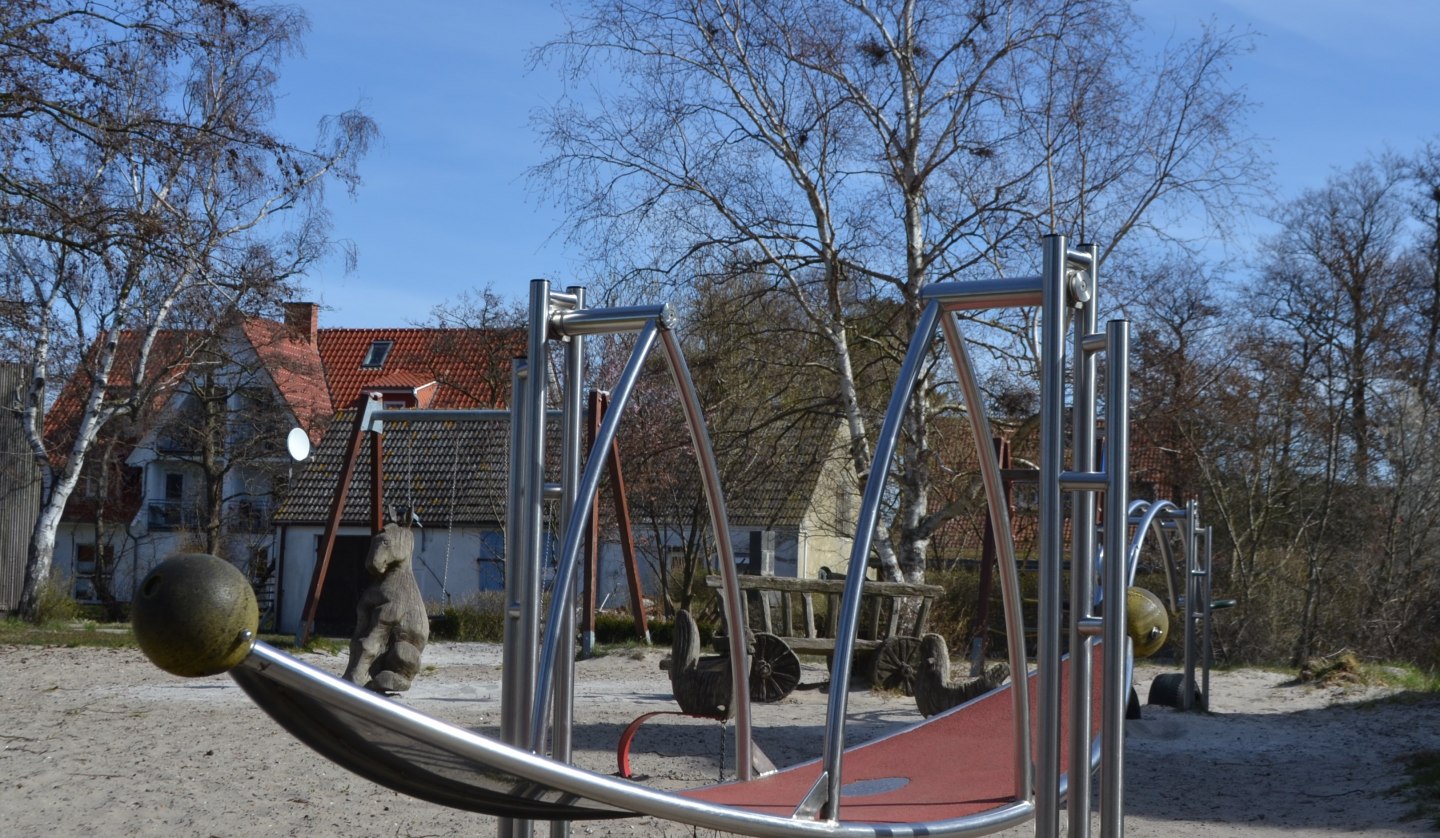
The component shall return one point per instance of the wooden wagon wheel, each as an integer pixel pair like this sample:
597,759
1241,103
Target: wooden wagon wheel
774,669
897,662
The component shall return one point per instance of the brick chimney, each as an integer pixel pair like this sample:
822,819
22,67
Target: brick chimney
301,320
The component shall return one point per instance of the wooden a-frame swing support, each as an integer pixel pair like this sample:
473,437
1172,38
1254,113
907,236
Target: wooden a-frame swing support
369,419
366,405
599,404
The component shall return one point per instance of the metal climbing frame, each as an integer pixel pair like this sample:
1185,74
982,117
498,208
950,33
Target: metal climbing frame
1187,580
512,778
529,684
1065,293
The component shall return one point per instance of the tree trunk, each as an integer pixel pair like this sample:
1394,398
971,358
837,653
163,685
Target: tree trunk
1305,640
39,559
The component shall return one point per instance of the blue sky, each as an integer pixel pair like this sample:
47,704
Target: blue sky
446,206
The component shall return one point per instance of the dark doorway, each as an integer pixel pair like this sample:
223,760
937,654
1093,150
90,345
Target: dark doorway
344,581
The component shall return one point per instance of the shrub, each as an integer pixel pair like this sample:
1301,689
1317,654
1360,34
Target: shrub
615,627
54,602
478,618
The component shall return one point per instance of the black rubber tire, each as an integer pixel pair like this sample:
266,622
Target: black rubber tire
1166,691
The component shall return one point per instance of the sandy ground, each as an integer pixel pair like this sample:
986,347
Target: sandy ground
97,742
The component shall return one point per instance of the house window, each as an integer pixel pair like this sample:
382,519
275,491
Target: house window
491,561
169,513
250,515
86,571
844,509
261,572
379,351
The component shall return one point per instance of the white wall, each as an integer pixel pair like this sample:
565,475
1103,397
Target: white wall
134,557
445,563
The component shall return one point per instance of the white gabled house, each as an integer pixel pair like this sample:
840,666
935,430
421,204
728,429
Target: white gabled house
207,464
207,468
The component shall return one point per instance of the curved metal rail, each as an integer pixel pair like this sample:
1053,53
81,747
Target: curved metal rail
414,754
1150,520
569,558
999,513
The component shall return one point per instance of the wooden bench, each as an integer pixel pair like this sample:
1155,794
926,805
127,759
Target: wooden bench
785,607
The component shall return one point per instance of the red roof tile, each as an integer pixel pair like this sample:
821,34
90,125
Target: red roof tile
401,380
471,367
169,359
294,365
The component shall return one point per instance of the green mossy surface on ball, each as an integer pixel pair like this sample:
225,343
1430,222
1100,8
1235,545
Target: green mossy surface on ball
1146,621
192,613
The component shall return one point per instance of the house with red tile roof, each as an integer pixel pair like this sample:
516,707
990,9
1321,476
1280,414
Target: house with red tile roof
264,377
791,502
789,517
450,478
207,464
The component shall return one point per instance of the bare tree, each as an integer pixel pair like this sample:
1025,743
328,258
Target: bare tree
1337,297
141,190
772,424
852,152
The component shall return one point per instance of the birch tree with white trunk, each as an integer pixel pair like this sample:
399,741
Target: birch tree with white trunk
851,152
142,193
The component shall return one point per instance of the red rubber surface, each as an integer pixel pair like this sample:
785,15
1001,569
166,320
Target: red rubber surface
952,765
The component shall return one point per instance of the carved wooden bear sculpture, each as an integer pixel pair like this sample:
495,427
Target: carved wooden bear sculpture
391,625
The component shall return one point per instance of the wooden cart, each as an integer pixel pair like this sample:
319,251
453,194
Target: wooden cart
781,613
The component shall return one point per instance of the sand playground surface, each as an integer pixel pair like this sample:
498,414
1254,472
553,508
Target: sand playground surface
97,742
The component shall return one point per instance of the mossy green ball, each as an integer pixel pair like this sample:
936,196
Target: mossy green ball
195,615
1146,621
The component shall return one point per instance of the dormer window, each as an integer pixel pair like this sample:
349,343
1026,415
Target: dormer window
379,351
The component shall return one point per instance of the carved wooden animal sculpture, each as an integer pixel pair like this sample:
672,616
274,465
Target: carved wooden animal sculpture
935,693
391,625
701,685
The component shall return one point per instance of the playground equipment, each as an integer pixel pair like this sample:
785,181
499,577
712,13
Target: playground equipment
1185,557
1146,621
1029,747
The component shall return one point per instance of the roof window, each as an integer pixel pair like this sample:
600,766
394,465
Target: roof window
379,351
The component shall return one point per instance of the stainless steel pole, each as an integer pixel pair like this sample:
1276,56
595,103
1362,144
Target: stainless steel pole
532,512
1207,656
1082,553
1117,642
572,400
1192,610
512,728
1051,536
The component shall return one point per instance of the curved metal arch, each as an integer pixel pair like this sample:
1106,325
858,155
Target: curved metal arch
828,786
827,790
568,559
999,514
1149,521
